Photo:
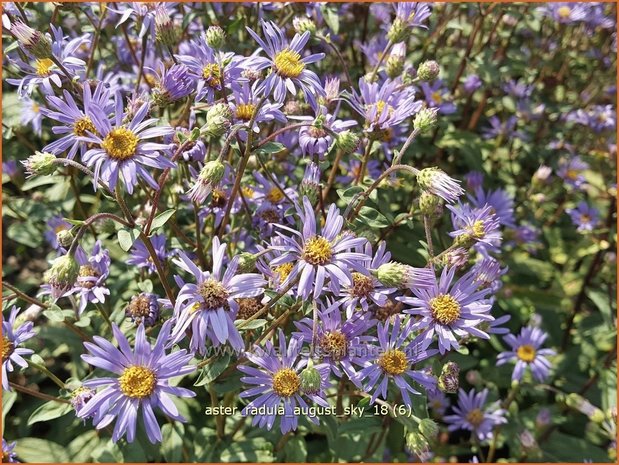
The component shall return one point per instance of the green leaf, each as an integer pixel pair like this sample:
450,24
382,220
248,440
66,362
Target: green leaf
41,451
172,444
54,313
373,218
251,450
347,194
126,238
212,370
296,450
162,218
8,399
272,147
331,18
49,411
253,324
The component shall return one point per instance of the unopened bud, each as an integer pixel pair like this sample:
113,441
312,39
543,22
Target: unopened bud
431,205
247,262
428,70
398,32
165,32
33,41
449,380
64,238
437,182
63,275
303,24
417,443
310,379
218,120
210,176
347,142
40,164
80,397
310,184
429,429
215,37
425,120
395,274
394,66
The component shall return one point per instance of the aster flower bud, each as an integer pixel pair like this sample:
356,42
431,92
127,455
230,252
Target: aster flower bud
310,379
425,120
64,238
34,41
62,275
347,141
251,74
165,32
80,397
430,205
398,32
310,184
303,24
218,120
528,443
542,175
40,164
428,70
215,37
210,176
455,258
247,262
417,443
429,428
448,381
143,309
578,402
394,66
437,182
543,418
395,274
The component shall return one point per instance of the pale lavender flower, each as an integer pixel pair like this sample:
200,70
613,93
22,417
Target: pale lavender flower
472,414
584,216
526,351
12,337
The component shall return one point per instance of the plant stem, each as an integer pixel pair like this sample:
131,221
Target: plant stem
38,394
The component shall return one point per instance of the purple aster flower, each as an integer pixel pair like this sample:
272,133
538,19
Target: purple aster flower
142,382
277,383
479,225
74,119
496,326
140,255
209,305
8,452
449,309
365,289
518,89
287,67
571,171
584,216
487,273
474,180
501,204
244,106
31,115
270,190
438,402
12,337
122,149
437,95
384,106
412,14
564,12
394,359
10,168
471,414
319,256
471,83
598,117
339,344
505,129
526,352
316,139
144,308
41,73
174,83
352,167
193,152
90,284
211,69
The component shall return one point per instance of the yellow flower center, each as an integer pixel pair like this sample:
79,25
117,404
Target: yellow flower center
475,417
83,125
393,362
334,344
139,307
445,309
283,270
437,97
218,198
211,73
526,353
571,174
564,12
43,67
288,63
7,348
286,382
248,306
248,192
214,294
59,228
317,251
584,218
120,144
245,111
35,107
87,271
137,382
478,230
361,285
275,195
